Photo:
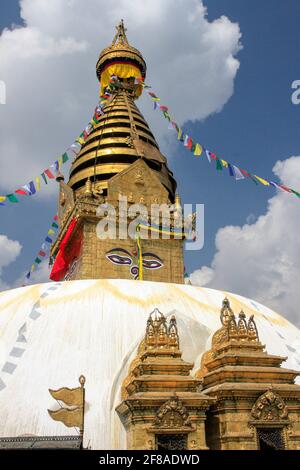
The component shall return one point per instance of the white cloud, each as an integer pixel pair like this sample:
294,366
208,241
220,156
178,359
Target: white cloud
9,251
261,260
49,70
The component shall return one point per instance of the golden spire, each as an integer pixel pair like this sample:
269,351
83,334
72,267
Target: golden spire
120,34
122,135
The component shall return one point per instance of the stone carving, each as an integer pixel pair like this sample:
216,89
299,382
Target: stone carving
226,312
234,330
172,414
242,326
158,334
139,177
252,330
269,407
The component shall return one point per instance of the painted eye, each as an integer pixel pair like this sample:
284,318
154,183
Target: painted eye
152,264
118,259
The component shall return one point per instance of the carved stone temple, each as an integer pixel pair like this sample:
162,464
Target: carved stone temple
157,369
239,398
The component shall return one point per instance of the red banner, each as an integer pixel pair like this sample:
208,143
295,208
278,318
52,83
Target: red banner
67,252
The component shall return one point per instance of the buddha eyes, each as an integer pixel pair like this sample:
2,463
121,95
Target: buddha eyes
118,259
152,264
150,260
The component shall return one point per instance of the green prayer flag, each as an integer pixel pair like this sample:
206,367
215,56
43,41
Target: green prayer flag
295,192
12,198
253,179
55,225
37,260
65,157
219,165
44,178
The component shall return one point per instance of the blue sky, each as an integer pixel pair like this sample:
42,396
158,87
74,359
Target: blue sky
257,127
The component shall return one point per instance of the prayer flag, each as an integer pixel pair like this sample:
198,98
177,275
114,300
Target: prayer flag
231,172
44,178
37,183
219,165
32,188
238,174
198,150
21,191
190,143
49,174
288,190
12,198
224,163
262,181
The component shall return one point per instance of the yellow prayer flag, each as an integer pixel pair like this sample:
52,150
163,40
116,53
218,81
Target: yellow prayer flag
60,163
198,150
80,140
2,198
224,163
51,232
37,183
262,181
32,268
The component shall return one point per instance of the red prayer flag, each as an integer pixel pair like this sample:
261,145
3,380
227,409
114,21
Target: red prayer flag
285,188
190,143
21,191
42,253
49,174
245,173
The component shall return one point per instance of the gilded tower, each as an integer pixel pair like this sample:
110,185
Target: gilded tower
119,160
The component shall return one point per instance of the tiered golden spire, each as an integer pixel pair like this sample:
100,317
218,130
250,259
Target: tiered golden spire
122,135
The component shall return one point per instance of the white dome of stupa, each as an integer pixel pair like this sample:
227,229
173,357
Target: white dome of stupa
52,333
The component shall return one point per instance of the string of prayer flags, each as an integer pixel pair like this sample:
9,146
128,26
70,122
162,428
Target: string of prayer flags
197,149
51,172
45,247
34,186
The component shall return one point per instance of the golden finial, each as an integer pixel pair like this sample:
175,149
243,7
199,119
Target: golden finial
178,202
82,380
121,34
88,187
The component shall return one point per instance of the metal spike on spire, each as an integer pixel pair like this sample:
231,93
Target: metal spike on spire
120,35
